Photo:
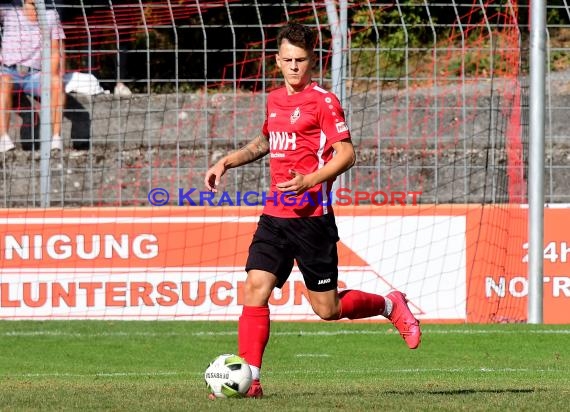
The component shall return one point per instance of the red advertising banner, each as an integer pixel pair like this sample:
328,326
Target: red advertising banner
497,248
456,263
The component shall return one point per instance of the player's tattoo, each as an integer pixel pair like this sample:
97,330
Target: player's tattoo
257,148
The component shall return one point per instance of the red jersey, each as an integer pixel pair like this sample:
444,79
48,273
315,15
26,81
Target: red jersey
301,129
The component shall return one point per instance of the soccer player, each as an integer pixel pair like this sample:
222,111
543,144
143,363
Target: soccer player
304,124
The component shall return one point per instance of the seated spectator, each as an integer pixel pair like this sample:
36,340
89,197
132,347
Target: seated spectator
20,68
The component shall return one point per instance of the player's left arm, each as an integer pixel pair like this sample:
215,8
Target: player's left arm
343,160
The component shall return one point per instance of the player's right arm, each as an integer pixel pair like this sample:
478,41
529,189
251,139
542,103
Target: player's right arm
255,149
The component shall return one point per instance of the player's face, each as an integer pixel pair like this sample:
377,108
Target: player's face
296,66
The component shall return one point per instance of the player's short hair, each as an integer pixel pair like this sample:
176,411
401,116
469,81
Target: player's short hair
298,35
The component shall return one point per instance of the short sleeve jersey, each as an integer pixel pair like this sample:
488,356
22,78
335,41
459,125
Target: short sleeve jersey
21,38
301,129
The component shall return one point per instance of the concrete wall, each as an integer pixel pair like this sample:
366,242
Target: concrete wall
145,141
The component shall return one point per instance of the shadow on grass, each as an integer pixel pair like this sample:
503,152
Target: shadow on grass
461,391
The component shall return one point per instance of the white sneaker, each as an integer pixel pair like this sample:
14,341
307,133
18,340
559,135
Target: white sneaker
56,143
122,91
6,143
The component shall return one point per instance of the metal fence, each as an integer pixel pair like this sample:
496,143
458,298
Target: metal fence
435,95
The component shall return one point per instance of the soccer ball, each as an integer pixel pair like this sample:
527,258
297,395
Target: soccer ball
228,376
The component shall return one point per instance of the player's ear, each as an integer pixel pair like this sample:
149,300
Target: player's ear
278,60
313,60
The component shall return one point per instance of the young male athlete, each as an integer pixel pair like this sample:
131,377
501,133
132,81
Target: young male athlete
304,125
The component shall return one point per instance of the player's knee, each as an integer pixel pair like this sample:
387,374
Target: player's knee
252,289
56,85
6,83
257,292
327,313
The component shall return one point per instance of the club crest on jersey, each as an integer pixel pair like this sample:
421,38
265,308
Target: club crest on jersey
295,115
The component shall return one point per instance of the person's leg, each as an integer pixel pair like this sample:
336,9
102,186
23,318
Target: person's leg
254,322
32,87
6,89
268,266
57,103
356,304
254,325
317,257
124,39
351,304
121,89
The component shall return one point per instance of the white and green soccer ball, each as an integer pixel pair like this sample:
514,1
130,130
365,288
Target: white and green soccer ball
228,376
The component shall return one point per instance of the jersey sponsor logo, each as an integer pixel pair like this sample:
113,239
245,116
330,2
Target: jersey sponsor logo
282,141
341,127
295,115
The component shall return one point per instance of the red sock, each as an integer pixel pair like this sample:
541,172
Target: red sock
355,304
253,333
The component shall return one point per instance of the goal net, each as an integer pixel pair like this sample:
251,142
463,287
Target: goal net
434,98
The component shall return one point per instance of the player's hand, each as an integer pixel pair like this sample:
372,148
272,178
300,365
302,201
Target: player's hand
213,175
299,184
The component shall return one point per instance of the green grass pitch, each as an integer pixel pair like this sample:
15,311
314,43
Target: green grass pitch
159,366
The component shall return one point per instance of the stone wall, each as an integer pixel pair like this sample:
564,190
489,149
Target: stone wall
170,140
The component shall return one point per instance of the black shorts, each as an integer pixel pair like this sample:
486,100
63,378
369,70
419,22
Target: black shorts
311,241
